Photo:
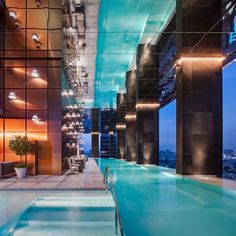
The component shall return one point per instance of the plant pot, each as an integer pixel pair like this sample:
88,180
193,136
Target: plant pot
21,172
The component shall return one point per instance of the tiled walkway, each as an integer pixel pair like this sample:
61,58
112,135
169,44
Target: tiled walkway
90,179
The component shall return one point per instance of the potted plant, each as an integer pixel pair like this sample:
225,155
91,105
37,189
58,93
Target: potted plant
21,146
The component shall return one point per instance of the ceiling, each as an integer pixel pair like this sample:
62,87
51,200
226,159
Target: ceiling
122,25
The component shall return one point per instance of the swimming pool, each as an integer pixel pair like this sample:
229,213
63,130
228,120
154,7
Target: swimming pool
58,213
154,201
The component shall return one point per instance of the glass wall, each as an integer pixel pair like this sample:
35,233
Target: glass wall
30,76
168,135
229,125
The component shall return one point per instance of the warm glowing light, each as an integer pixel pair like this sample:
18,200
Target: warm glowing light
201,59
130,117
35,118
12,14
71,126
35,37
64,93
147,106
94,132
35,73
64,128
111,132
120,126
71,93
12,95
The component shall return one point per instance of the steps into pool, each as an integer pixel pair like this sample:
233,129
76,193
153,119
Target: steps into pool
67,216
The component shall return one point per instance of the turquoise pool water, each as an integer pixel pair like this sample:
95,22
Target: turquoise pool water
154,201
83,213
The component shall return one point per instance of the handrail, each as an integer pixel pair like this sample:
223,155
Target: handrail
107,173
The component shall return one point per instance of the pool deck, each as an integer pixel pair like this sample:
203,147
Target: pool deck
90,179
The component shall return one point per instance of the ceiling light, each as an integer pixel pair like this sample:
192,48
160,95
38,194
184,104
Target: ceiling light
64,128
68,115
35,73
71,93
64,93
12,95
71,126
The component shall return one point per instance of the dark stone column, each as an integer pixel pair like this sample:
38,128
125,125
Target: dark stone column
121,127
199,88
111,133
147,114
95,132
111,144
131,116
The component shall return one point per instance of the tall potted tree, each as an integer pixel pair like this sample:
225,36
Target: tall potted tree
21,146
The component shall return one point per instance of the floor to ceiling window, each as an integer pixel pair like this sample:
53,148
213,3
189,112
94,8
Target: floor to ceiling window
168,135
229,125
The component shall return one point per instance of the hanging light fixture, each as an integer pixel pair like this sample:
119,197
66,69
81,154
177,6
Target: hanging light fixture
68,115
71,93
64,128
12,95
71,126
64,93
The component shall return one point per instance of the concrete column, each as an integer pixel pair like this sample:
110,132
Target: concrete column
95,132
147,114
199,88
120,126
131,116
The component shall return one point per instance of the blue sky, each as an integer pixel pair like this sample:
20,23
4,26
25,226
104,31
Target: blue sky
168,127
229,106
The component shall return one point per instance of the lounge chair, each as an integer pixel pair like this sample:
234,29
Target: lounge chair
77,161
72,167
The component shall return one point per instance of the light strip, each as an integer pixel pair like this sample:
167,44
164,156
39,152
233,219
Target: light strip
147,106
201,58
94,132
130,117
120,126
